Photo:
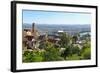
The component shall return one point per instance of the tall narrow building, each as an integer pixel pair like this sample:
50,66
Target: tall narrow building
33,26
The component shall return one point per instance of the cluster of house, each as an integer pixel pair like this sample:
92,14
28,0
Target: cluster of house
32,38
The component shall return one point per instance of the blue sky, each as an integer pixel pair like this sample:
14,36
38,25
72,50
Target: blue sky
47,17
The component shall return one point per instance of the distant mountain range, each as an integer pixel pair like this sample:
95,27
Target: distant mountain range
56,27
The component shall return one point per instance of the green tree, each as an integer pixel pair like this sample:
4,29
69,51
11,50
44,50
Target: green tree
67,52
70,50
74,38
76,50
52,53
42,45
65,40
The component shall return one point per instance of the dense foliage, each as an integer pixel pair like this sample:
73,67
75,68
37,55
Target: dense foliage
50,52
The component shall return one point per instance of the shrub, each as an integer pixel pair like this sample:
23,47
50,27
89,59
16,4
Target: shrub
73,57
86,54
33,56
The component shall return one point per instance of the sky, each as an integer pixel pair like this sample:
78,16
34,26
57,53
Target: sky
51,17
